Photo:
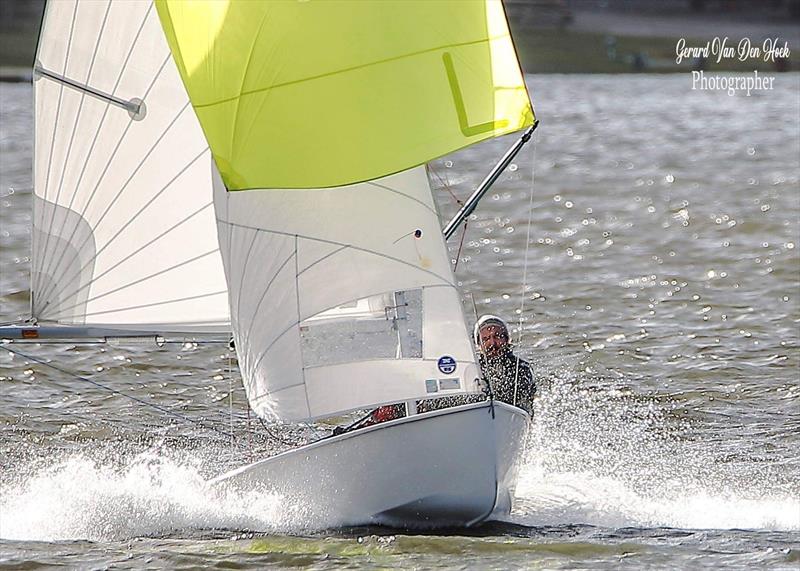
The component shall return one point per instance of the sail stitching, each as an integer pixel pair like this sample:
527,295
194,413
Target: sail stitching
116,197
372,183
297,299
353,68
75,127
128,223
387,360
359,248
132,254
322,259
301,319
246,337
156,303
105,170
58,115
91,151
244,79
241,278
135,282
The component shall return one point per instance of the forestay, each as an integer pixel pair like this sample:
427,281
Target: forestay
123,224
323,113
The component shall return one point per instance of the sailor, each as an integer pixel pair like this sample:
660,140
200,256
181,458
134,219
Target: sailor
510,378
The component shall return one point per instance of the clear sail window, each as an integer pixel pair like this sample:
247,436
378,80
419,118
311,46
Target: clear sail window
386,326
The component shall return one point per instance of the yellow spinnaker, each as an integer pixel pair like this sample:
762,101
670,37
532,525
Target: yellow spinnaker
321,93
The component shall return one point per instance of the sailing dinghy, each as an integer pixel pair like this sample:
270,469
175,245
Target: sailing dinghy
258,167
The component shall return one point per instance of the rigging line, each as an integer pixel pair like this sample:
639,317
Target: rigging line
103,174
132,254
75,125
58,113
352,246
153,198
525,267
445,184
117,392
272,435
124,65
230,392
297,300
460,246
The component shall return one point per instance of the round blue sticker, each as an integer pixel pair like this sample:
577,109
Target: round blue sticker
447,364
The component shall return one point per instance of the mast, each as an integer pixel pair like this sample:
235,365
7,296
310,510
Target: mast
475,198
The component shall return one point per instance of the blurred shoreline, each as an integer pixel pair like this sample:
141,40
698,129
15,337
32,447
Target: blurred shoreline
558,36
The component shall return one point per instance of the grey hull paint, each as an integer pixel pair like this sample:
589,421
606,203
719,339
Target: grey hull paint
452,467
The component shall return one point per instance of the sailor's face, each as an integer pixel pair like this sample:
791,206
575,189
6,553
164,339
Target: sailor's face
494,340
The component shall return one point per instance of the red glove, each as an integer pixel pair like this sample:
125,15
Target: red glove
384,413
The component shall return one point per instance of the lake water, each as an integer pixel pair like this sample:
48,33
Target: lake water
661,315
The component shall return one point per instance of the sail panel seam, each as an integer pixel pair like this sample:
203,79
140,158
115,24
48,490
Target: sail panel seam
403,194
129,256
68,154
164,302
301,319
297,299
58,258
108,165
55,123
241,278
322,259
130,220
62,310
353,68
246,338
359,248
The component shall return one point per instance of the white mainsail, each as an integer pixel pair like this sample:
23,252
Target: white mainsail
123,225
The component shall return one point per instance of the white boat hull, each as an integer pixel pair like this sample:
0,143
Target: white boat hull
451,467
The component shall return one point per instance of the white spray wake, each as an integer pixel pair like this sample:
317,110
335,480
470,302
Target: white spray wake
151,494
605,458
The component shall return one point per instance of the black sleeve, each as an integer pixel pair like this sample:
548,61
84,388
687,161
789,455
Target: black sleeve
527,374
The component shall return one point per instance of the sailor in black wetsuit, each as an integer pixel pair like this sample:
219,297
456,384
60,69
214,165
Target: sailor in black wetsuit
510,378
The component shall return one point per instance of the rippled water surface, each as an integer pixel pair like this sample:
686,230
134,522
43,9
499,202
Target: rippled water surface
661,313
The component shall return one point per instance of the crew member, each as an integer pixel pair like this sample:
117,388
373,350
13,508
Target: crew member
510,378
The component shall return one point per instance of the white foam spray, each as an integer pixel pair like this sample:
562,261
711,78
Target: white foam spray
78,497
603,457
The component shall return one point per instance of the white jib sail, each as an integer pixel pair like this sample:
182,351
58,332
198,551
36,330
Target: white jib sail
342,298
123,231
